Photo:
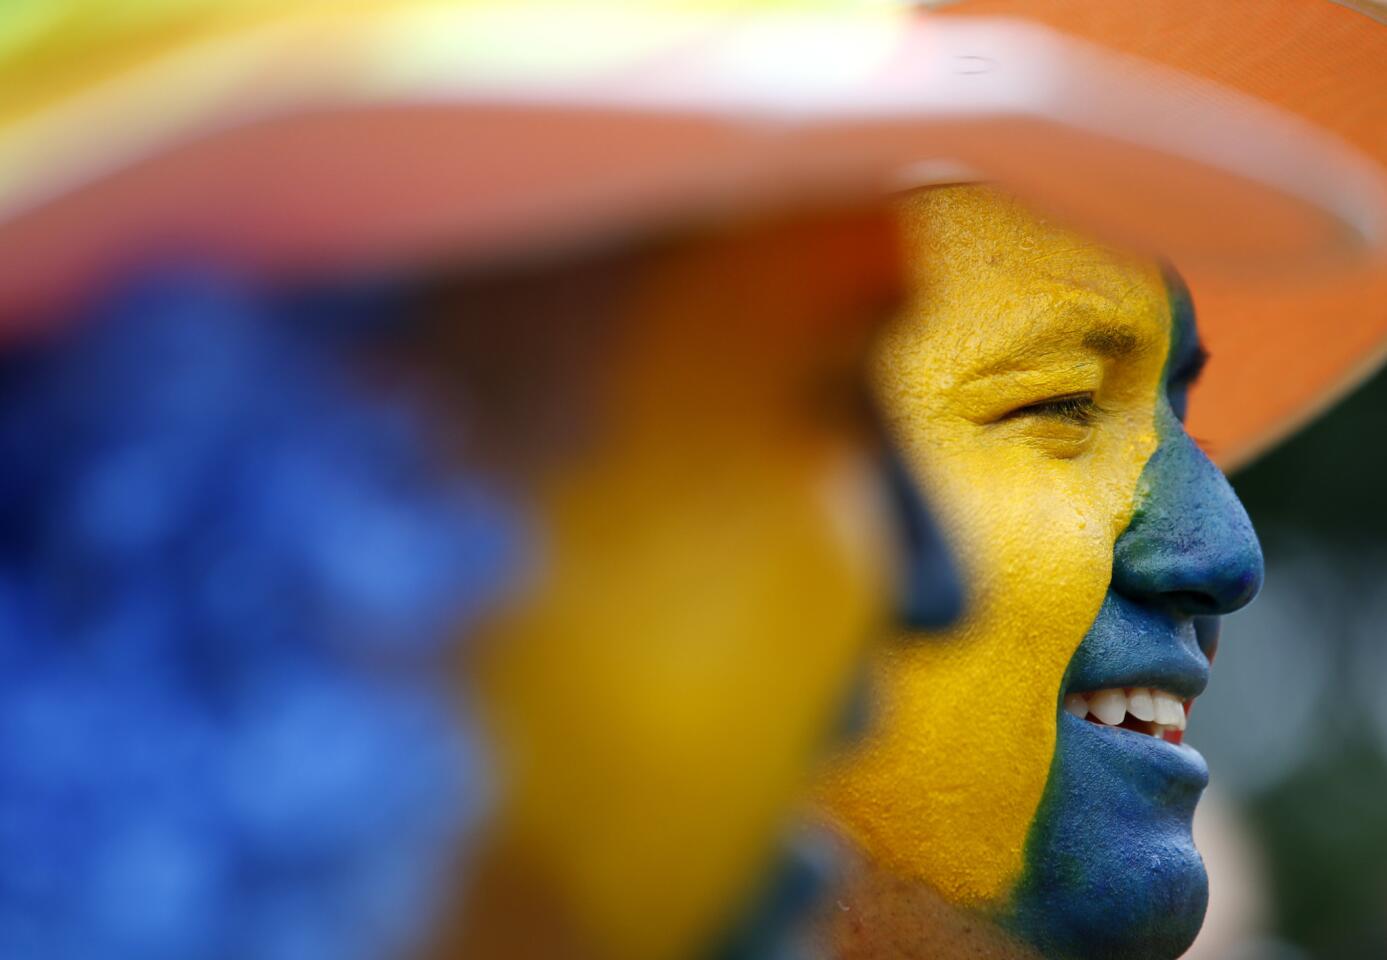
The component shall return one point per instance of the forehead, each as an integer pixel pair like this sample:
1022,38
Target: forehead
986,268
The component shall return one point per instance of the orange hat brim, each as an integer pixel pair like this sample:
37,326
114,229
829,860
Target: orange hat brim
290,148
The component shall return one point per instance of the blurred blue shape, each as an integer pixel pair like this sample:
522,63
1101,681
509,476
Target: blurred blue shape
231,586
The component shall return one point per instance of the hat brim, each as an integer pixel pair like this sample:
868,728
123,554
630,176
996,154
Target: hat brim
1282,353
286,163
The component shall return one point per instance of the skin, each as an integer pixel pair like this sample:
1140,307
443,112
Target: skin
1037,381
717,545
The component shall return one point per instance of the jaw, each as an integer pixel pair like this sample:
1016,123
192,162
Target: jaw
1112,870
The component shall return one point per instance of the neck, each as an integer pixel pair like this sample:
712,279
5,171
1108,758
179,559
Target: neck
877,915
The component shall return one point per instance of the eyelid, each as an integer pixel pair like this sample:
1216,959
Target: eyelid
1080,408
992,398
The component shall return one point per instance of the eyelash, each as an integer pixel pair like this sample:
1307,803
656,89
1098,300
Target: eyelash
1079,408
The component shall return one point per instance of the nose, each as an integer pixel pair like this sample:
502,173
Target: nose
1190,546
931,593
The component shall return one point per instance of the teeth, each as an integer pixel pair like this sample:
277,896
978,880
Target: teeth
1163,711
1169,711
1140,704
1109,706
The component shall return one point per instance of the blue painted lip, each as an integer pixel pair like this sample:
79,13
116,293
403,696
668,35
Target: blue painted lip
1180,765
1129,647
1177,669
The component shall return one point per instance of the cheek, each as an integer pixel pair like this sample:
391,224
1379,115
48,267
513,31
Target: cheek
948,785
955,772
675,680
951,780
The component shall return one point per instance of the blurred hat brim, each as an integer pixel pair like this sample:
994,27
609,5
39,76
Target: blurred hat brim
398,133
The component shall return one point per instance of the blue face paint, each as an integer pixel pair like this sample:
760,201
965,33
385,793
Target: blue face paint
1111,865
230,586
932,591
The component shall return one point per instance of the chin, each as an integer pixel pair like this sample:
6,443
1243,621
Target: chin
1111,868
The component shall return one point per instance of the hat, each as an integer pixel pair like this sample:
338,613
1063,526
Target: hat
1284,349
299,136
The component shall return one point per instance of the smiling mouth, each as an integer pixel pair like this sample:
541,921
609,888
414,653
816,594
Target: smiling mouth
1142,710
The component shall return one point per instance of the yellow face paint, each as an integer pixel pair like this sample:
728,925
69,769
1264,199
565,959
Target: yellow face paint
712,571
1022,379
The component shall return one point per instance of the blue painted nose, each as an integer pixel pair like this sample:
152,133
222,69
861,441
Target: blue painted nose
1190,546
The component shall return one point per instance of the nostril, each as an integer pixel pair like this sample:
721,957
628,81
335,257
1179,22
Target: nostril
1216,597
1193,603
1211,578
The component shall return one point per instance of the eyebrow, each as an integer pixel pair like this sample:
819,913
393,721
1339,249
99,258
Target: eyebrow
1112,343
1107,340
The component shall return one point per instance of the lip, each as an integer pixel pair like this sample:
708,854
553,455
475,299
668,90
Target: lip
1175,670
1130,646
1187,684
1177,763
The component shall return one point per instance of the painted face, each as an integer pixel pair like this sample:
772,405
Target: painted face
1038,382
714,560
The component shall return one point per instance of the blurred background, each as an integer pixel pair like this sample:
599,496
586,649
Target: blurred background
1294,723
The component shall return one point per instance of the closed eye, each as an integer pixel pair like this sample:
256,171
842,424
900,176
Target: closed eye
1078,408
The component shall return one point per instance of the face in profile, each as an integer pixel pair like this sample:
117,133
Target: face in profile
716,547
1027,764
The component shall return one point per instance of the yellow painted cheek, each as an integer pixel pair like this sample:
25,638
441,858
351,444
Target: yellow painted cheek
664,699
946,788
